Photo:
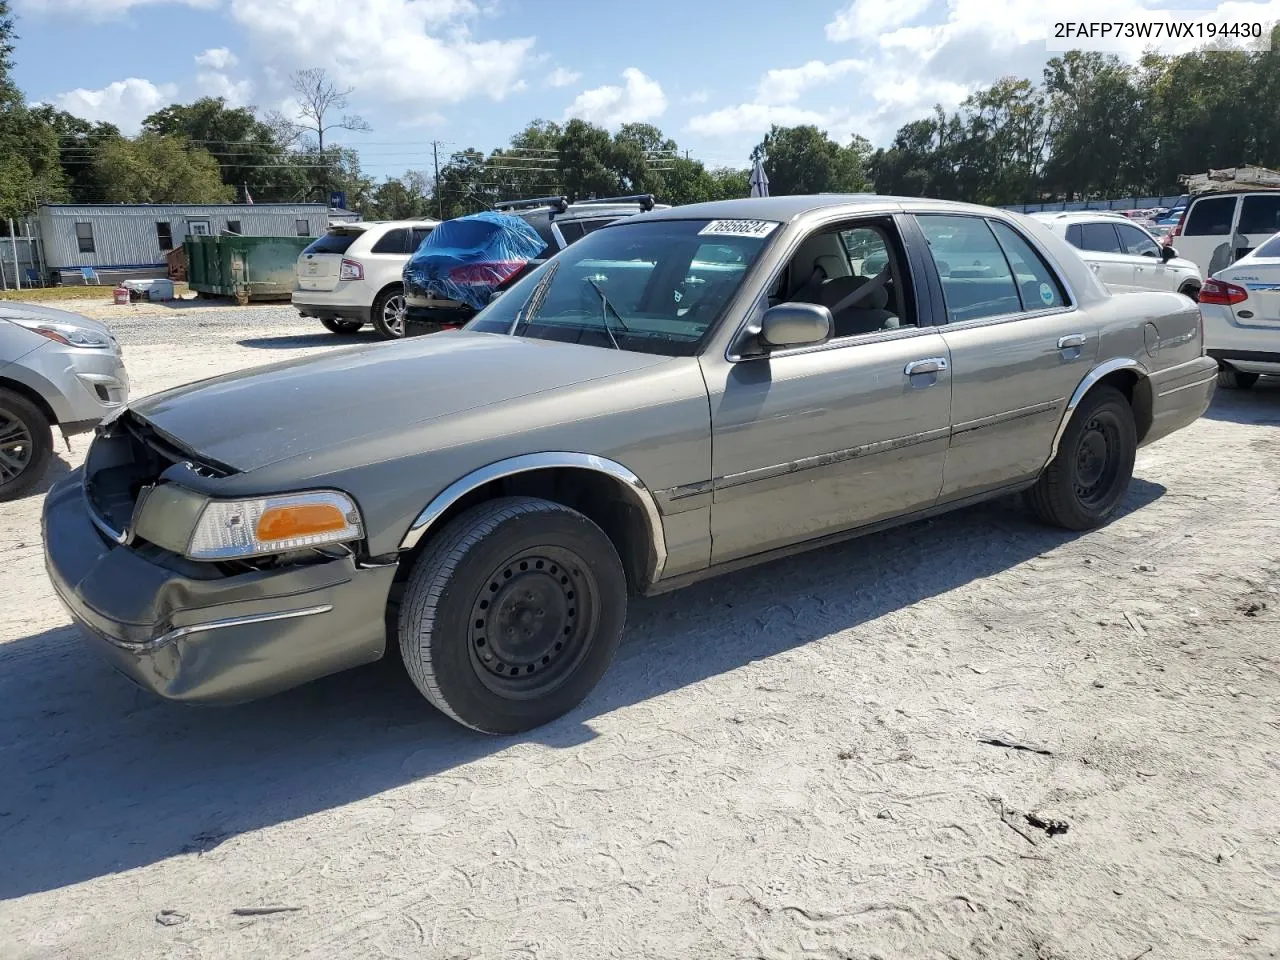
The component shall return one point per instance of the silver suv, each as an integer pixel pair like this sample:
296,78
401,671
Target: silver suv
56,367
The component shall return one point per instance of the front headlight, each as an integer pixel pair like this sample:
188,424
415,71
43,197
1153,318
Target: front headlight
238,529
66,333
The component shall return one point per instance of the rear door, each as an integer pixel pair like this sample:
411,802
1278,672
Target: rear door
1106,255
1259,218
319,265
1205,237
1150,270
1018,349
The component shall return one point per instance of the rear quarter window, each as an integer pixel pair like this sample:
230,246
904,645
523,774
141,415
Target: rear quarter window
1269,249
393,241
1260,214
333,242
1210,217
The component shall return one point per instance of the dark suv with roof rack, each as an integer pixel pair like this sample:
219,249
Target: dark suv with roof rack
557,221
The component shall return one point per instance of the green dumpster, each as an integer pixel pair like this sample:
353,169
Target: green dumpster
247,268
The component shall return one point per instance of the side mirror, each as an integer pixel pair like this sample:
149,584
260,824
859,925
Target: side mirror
795,325
1167,253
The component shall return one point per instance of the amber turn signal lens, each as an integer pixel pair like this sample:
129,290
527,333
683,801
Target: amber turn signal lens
300,520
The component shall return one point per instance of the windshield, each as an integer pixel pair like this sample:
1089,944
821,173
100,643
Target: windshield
651,287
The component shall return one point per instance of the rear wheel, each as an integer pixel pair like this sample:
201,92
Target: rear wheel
1191,290
334,325
26,444
513,614
1229,378
1087,478
389,314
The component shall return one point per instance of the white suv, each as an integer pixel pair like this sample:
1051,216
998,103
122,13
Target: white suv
353,275
1217,229
1123,254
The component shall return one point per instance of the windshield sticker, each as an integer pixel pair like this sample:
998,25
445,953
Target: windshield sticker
1046,294
738,228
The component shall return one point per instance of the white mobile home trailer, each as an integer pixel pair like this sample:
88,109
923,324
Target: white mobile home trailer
127,240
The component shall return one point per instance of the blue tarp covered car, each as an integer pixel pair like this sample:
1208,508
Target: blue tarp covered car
465,259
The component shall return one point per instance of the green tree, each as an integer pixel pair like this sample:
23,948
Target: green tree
30,170
157,169
804,159
402,198
79,142
586,161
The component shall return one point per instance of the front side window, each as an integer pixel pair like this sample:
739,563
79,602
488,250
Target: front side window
1137,241
1210,217
654,287
976,279
867,250
1100,237
1260,214
84,237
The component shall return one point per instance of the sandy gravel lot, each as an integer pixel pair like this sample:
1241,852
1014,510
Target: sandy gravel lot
785,763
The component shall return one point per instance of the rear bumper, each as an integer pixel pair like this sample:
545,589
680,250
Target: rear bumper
1250,361
209,639
343,303
1180,395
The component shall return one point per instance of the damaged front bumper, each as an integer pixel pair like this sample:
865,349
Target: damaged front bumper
191,632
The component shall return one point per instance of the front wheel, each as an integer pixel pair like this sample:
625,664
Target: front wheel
389,312
513,614
1087,478
1229,378
26,444
334,325
1192,291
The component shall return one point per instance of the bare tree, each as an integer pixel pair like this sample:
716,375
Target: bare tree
318,98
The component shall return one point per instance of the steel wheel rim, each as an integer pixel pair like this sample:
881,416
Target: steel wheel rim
393,315
16,447
1096,465
532,621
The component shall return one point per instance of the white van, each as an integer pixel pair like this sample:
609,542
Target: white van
1218,229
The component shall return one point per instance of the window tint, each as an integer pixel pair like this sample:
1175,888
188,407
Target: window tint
164,235
84,237
1269,249
393,241
1260,214
1073,236
1137,241
1100,237
589,226
868,253
976,279
233,226
335,241
419,234
570,230
303,227
1039,286
1210,217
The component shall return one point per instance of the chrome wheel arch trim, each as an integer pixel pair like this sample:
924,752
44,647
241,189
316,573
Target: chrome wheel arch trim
530,462
1088,383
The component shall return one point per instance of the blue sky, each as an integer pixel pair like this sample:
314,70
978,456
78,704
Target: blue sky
713,75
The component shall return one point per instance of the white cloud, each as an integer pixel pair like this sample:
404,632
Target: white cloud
867,19
697,97
563,77
217,58
641,98
785,86
102,9
125,103
757,118
212,83
402,51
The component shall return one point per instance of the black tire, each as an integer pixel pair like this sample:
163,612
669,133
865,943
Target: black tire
388,314
1229,378
1088,477
26,444
1192,291
505,567
334,325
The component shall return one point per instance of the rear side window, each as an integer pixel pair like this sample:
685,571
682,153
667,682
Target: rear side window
976,279
589,226
1136,241
394,241
335,241
1269,249
1100,237
1260,214
1210,217
1039,286
571,230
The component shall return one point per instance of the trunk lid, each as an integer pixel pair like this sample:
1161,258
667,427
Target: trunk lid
319,265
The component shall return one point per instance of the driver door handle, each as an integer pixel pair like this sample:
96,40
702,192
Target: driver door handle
929,365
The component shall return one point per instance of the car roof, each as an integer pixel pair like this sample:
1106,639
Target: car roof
1070,216
787,208
384,224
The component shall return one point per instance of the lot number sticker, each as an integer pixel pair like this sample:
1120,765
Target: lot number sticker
738,228
1046,294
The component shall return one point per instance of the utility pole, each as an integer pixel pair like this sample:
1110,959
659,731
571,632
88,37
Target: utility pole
435,187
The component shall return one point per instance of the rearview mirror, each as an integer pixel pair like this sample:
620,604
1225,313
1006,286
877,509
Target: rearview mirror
1167,253
795,325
